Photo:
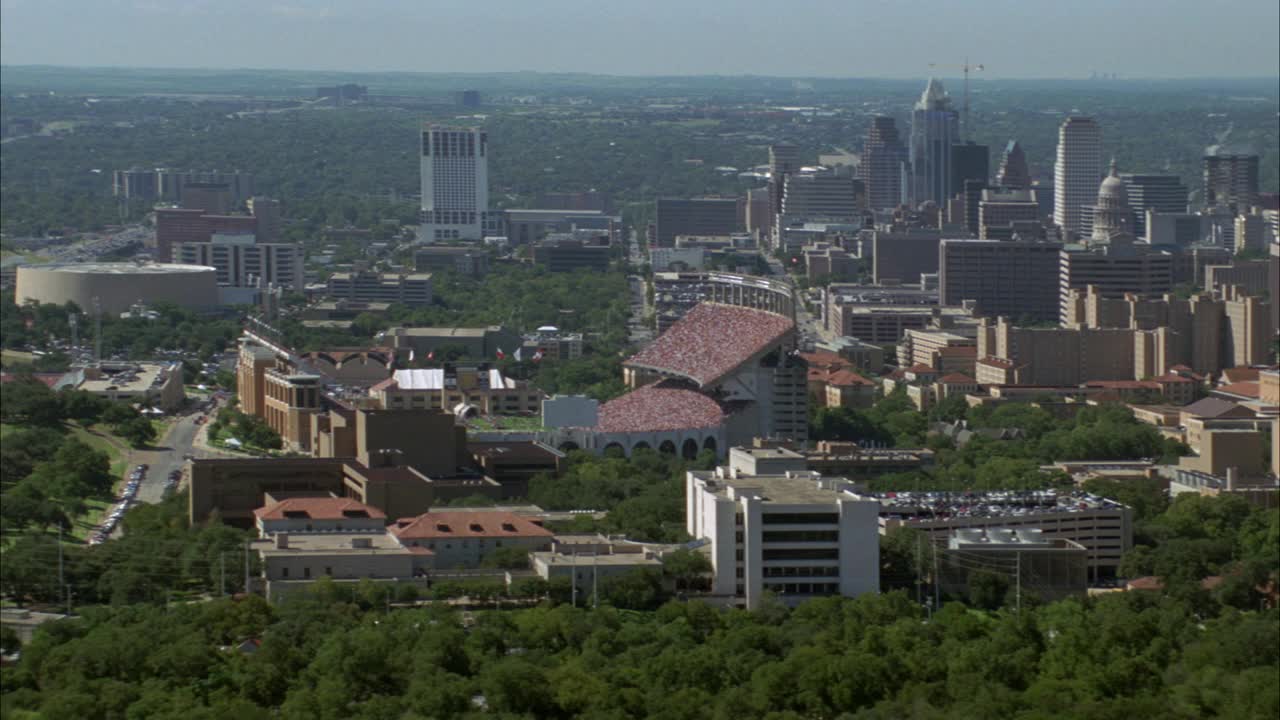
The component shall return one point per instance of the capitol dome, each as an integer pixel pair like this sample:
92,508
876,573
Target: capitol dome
1113,190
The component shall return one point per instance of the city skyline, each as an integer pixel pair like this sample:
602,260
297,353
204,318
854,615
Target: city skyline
711,38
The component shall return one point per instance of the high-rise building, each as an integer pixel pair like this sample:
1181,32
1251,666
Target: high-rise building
824,195
935,127
1013,173
784,159
1114,268
1230,178
698,216
1006,278
180,225
455,184
1076,173
969,161
1162,193
1001,213
881,170
267,212
243,262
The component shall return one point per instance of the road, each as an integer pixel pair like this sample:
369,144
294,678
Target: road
169,455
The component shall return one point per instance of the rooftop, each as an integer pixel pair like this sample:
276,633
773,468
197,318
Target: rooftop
712,340
588,559
467,524
805,489
333,544
119,268
667,405
999,503
317,508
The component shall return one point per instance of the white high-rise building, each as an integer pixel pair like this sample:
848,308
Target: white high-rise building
1076,174
455,184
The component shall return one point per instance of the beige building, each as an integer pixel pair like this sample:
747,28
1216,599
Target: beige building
154,384
459,390
291,563
1009,355
587,562
366,286
463,539
1114,268
946,351
289,399
241,261
1000,214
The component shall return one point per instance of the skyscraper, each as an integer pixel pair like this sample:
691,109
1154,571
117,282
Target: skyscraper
1162,193
881,168
455,184
1076,173
1230,178
935,127
784,159
1013,173
969,161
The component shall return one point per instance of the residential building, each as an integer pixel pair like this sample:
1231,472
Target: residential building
947,351
1010,355
242,261
1103,527
1013,173
1250,276
462,539
1153,193
1004,278
454,165
935,127
883,156
1004,213
368,286
1230,178
1076,174
821,195
794,535
699,216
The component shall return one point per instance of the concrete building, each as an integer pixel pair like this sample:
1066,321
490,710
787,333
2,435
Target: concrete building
1230,178
117,286
442,343
566,253
163,184
267,212
1010,355
1076,174
454,165
795,535
935,127
467,261
340,314
784,159
147,384
1103,527
291,563
1249,276
1002,213
946,351
1114,268
821,195
462,539
460,390
1153,193
366,286
903,256
677,259
1013,173
1047,568
1181,229
1252,233
526,226
550,343
175,226
700,216
1003,278
970,163
241,261
587,562
883,156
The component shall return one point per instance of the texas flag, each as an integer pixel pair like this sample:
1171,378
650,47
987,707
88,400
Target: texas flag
537,357
501,355
431,355
517,355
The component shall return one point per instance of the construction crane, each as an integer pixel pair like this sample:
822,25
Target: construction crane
966,68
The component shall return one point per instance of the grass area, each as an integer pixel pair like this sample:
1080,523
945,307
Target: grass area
16,357
506,422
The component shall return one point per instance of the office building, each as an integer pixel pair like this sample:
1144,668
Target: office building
1004,213
243,262
526,226
454,165
699,216
184,225
367,286
935,127
1179,229
213,198
1115,268
883,156
969,161
823,195
795,534
1004,278
267,212
443,343
1158,193
563,252
134,184
1252,233
466,261
582,200
784,159
1230,178
1076,174
1013,173
903,256
587,562
162,184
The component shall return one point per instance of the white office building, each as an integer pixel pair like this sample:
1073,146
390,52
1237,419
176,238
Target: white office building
243,262
796,534
455,185
1076,174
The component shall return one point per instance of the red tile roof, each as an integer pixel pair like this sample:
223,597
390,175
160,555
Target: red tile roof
1171,378
467,524
317,508
1240,389
957,379
668,405
1124,384
846,378
49,379
921,368
824,359
1240,374
996,362
712,340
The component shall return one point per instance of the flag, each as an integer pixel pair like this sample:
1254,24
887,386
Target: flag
537,357
517,355
431,355
410,354
501,355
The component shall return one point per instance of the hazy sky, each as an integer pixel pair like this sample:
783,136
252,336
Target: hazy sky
840,38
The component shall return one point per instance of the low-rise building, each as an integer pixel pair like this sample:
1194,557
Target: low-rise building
152,384
442,343
463,539
567,253
587,562
462,390
465,260
366,286
797,535
317,514
291,563
1049,568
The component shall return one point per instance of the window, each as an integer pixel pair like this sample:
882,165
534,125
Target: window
802,554
328,571
306,572
800,518
284,572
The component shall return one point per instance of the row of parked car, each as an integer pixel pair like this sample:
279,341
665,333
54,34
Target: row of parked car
127,498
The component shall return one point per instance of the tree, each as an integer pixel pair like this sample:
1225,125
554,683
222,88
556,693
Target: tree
139,431
687,569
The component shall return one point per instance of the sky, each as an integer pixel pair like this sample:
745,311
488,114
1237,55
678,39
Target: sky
823,38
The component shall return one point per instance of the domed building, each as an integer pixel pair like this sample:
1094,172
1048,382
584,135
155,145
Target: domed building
1112,215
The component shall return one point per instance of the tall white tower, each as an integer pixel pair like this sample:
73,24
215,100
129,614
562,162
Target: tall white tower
455,184
1076,174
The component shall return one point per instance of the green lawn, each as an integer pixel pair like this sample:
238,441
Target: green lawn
16,357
